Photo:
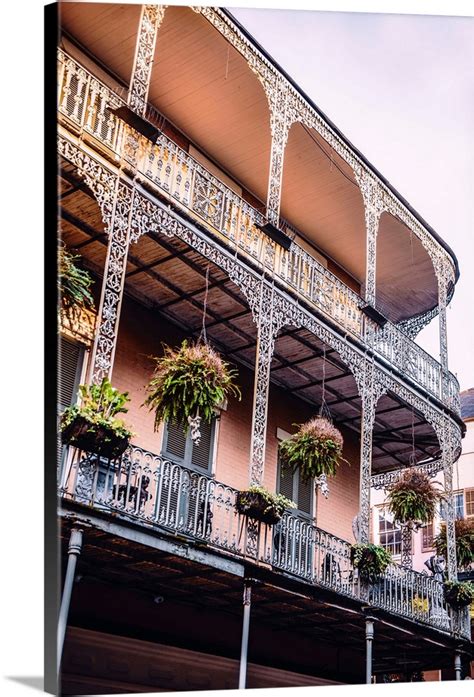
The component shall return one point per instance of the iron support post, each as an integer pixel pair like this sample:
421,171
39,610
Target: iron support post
369,637
74,550
245,635
457,665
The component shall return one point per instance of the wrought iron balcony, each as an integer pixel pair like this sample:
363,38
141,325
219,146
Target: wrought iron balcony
167,169
162,495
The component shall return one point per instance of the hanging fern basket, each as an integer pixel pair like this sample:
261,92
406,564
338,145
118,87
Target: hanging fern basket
459,594
187,385
464,530
413,498
259,504
92,426
315,449
371,561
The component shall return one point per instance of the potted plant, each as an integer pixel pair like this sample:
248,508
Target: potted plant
412,498
315,449
92,426
74,285
187,385
458,594
258,503
464,529
371,560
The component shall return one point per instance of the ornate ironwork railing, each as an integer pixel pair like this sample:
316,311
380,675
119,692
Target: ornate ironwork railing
161,494
88,103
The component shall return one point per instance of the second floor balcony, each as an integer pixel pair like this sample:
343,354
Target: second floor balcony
152,492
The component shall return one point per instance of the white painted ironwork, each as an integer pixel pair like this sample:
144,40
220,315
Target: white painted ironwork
150,19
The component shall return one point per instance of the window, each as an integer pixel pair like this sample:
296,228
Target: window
390,535
71,361
427,536
469,494
458,506
292,486
179,447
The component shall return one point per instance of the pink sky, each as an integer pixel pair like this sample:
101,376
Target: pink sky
401,88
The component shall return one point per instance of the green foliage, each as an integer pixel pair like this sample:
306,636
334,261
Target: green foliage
464,542
189,381
413,497
459,593
259,503
73,284
315,449
371,560
99,406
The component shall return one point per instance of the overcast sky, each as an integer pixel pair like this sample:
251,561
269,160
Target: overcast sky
401,88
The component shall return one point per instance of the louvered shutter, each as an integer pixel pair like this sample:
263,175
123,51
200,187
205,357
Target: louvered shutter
305,495
286,482
175,445
70,366
71,356
201,454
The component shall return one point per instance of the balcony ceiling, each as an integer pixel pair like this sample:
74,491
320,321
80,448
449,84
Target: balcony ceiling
206,89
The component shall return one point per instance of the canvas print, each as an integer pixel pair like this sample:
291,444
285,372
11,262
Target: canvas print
260,478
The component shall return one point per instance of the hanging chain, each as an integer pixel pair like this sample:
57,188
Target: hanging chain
203,335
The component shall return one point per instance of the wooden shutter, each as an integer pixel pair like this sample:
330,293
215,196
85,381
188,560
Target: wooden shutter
175,446
70,367
202,453
305,495
286,482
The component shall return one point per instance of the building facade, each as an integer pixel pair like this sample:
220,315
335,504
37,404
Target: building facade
205,191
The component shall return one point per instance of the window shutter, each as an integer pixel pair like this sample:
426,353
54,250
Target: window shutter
175,441
286,482
70,366
305,492
201,454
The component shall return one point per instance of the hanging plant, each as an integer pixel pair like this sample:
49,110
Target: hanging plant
371,560
458,594
188,384
258,503
315,449
464,529
413,498
74,285
92,426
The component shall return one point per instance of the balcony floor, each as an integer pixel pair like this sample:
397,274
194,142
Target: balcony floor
294,626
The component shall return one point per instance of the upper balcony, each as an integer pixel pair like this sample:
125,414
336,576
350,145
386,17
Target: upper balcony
86,107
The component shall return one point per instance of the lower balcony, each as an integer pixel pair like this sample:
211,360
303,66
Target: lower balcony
145,489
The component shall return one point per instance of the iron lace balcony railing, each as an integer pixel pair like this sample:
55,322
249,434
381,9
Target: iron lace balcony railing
87,103
163,495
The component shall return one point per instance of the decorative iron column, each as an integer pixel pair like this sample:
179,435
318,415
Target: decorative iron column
266,333
113,283
457,665
407,539
370,392
74,550
447,454
247,599
369,638
373,204
150,20
443,329
280,126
